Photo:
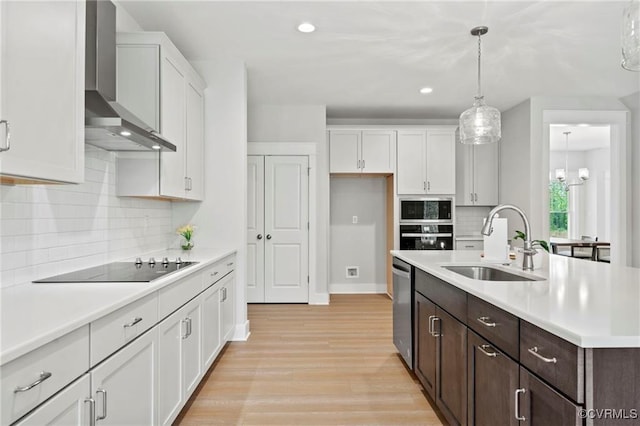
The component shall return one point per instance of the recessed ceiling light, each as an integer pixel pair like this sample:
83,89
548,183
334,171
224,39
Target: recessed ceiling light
426,90
306,27
583,125
156,147
125,133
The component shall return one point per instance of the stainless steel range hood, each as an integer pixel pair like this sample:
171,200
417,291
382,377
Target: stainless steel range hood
108,125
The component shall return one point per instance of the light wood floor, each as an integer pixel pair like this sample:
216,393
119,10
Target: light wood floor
313,365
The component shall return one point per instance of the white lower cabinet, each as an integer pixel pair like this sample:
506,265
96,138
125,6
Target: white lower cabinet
211,335
124,386
226,306
180,365
70,407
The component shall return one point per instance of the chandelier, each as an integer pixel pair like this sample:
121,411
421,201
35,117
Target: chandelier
480,124
563,174
630,37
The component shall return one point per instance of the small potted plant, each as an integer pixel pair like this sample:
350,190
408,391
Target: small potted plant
534,243
186,232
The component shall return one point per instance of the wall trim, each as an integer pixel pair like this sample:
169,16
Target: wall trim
358,288
281,148
242,332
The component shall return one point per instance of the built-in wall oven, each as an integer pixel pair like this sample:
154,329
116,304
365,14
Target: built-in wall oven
426,224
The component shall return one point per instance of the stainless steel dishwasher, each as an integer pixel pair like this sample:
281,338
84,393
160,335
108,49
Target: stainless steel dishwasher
403,310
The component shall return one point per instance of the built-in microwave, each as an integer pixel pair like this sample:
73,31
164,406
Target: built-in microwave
426,210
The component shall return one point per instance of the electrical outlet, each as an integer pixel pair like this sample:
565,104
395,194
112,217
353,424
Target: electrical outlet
354,219
353,272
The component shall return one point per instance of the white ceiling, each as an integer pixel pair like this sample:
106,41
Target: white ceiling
369,59
582,138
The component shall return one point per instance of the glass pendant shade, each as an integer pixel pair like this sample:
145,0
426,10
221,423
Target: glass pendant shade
631,36
561,175
583,173
480,124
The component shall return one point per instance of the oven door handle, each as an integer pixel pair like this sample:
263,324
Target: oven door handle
427,235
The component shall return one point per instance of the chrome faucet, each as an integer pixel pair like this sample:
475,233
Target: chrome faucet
528,252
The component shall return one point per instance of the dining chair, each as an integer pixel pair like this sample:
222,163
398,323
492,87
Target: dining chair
585,252
603,254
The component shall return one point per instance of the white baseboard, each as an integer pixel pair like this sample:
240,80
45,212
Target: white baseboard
360,288
319,299
241,333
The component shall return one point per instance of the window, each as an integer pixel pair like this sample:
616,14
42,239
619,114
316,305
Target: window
558,213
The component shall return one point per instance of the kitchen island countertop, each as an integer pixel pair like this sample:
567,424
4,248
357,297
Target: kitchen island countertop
590,304
35,314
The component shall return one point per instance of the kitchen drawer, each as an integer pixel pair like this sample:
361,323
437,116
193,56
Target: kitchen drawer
177,294
229,263
115,330
212,274
469,245
497,326
56,364
450,298
558,362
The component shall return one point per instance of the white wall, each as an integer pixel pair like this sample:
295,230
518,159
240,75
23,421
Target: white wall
53,229
633,103
363,244
597,191
221,217
301,124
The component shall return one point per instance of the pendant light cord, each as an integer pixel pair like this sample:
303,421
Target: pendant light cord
566,157
479,55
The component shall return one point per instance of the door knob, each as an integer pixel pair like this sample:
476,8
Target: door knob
259,236
268,236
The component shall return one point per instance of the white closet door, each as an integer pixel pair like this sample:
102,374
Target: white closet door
255,229
286,216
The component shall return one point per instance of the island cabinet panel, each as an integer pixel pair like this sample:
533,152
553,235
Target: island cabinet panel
539,404
493,378
451,392
451,299
425,344
498,326
555,360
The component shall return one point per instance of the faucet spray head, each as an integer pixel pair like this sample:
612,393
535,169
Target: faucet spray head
486,228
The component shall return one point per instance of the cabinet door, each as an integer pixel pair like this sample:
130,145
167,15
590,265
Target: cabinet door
425,344
493,379
211,336
464,175
441,162
172,122
192,348
344,151
411,162
451,385
377,151
171,332
42,53
485,174
195,143
124,386
227,308
541,405
68,407
255,229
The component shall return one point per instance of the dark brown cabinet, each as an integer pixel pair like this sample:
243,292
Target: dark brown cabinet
539,404
493,380
425,344
451,367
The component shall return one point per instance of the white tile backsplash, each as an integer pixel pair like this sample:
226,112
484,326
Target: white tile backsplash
469,219
53,229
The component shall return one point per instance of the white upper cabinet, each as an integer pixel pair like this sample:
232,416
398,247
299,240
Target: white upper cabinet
158,85
477,175
361,151
426,161
42,52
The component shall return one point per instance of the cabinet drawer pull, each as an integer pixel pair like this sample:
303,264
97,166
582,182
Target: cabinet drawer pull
43,376
7,137
517,404
134,322
435,333
534,351
431,317
104,404
92,410
471,246
483,349
213,274
485,321
186,328
230,264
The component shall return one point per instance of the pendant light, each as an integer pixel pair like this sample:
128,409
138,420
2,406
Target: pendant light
480,124
630,37
563,174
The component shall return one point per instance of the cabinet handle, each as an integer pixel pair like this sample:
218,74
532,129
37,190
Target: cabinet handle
469,246
424,185
92,410
534,351
230,264
485,321
476,197
104,404
186,326
435,333
483,349
363,164
189,329
7,138
268,236
431,317
259,236
358,164
134,322
428,185
517,404
44,375
214,273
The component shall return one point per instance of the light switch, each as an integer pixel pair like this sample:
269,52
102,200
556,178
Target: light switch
354,219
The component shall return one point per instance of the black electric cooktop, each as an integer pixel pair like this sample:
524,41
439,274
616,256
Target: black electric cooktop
118,272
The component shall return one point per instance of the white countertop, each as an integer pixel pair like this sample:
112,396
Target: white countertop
590,304
35,314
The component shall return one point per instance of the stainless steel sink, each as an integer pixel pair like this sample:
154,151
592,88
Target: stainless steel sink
485,273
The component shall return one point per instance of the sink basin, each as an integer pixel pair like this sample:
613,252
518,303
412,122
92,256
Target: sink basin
485,273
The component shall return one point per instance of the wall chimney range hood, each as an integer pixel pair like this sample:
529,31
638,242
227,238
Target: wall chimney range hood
109,125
